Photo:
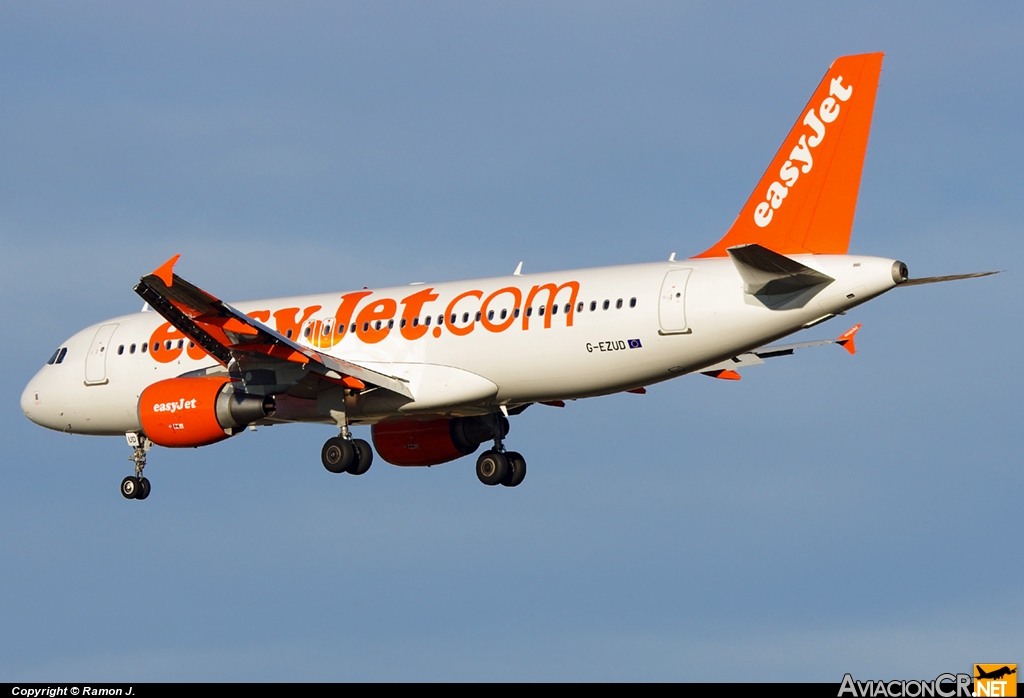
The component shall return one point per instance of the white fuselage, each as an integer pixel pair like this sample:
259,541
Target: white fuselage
626,327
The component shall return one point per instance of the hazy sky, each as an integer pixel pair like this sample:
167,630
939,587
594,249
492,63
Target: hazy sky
826,514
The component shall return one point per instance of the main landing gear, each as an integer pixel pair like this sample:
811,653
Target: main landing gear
496,466
346,455
342,453
137,486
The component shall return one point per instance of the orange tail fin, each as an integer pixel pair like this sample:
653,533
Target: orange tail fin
805,202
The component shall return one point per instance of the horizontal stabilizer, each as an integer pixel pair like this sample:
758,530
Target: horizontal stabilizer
767,273
939,279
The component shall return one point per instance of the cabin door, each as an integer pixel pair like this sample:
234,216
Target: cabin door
672,303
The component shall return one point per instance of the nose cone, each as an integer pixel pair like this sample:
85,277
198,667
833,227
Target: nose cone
38,403
30,400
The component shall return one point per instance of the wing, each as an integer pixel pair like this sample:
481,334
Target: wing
233,338
727,369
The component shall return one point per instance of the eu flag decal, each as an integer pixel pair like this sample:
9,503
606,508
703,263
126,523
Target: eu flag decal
634,344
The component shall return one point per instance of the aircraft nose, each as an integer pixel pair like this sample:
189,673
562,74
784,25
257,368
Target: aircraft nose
30,397
33,402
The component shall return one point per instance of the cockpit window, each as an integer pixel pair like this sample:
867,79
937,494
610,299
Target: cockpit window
54,357
62,354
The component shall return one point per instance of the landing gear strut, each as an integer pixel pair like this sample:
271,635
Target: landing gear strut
342,453
496,465
137,486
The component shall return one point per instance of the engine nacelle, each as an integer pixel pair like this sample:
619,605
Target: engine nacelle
182,412
412,442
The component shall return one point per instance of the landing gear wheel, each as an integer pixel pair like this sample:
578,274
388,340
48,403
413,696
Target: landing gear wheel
491,467
338,455
143,488
363,459
130,487
516,469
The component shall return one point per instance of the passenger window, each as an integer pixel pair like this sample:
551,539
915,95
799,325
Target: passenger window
618,304
391,324
427,321
515,313
62,354
376,325
593,306
181,344
478,316
490,314
415,322
53,358
168,344
306,332
191,345
606,304
366,327
579,307
120,350
568,307
327,330
288,334
529,311
440,319
145,347
632,302
131,349
402,323
353,328
465,317
554,310
156,346
504,313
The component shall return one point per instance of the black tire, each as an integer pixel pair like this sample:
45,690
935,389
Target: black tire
516,469
337,455
363,459
143,488
491,467
130,487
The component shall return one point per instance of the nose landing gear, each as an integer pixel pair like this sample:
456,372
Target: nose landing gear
137,486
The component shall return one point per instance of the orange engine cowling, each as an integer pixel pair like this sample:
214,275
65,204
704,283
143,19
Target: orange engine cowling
433,441
183,412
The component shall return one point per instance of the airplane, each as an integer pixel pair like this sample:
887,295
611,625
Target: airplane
995,674
437,370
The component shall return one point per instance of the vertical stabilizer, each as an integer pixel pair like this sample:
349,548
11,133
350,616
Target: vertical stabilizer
805,202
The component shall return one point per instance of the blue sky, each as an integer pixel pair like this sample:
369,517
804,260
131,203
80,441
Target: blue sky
825,514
